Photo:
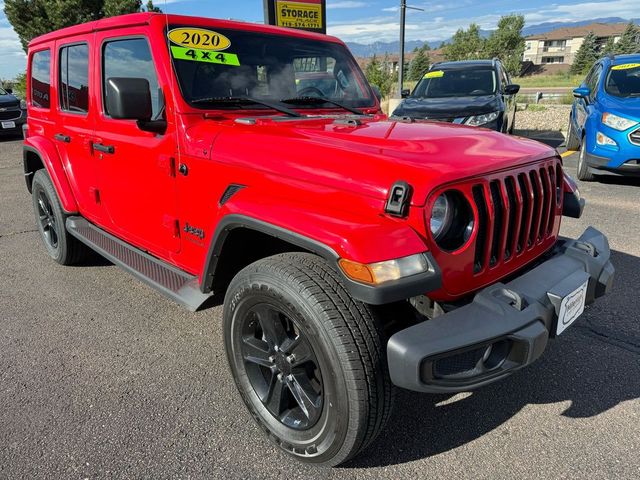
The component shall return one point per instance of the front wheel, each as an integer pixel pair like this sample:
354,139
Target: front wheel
573,142
307,359
584,173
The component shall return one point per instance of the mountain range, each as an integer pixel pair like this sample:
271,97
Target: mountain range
380,48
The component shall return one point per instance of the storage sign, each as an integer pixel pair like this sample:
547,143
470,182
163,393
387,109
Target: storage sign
302,14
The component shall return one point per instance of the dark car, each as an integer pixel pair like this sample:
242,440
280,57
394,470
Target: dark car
470,92
13,112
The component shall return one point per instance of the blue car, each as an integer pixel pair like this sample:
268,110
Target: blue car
605,118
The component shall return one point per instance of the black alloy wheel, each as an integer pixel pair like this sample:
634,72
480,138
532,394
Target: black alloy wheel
282,367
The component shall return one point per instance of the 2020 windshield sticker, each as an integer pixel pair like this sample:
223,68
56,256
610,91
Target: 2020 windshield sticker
207,56
199,38
434,74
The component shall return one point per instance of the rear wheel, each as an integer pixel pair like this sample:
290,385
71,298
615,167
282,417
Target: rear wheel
584,173
308,360
50,219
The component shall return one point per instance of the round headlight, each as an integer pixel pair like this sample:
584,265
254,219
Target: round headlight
23,105
440,216
451,221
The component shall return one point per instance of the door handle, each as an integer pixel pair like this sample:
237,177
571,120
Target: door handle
104,148
62,138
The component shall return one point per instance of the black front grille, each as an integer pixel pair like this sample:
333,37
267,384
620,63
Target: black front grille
10,114
634,137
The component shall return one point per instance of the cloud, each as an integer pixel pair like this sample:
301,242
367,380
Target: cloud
345,4
423,26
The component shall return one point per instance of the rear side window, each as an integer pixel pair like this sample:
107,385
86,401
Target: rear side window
74,78
131,58
41,79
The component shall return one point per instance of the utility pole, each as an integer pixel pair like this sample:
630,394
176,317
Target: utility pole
403,19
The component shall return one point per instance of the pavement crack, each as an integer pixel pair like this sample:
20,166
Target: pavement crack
630,346
13,234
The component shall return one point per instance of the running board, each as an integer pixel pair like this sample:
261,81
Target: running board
169,280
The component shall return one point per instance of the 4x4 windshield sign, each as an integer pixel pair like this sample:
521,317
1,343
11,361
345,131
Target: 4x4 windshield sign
200,45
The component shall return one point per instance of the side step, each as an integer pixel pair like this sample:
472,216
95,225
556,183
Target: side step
169,280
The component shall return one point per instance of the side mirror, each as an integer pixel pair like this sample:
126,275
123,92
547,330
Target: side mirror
376,92
581,92
130,99
405,93
9,91
511,89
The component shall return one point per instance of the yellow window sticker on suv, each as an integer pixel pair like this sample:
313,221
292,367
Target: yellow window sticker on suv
434,74
207,56
199,38
626,66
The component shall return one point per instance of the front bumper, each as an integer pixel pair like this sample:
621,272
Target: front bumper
18,121
504,328
616,167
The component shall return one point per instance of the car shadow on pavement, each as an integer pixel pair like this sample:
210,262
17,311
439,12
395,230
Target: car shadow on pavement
553,138
10,137
594,366
618,180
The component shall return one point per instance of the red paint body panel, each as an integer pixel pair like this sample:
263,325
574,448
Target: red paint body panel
326,181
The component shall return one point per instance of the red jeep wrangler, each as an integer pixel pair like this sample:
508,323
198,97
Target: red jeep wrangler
355,253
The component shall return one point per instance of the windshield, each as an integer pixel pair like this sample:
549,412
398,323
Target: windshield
456,83
624,80
264,67
3,91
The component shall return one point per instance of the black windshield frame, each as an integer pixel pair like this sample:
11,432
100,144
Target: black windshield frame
277,51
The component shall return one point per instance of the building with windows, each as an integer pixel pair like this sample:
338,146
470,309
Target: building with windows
560,46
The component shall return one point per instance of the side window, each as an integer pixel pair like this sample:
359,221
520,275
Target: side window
74,78
41,79
592,80
131,58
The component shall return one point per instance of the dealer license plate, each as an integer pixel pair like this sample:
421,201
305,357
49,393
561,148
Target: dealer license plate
571,307
8,124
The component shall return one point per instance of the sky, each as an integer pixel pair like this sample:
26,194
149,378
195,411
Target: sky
367,21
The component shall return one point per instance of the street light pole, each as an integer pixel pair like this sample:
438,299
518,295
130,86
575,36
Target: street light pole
403,18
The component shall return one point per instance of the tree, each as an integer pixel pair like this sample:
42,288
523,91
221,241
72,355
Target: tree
419,64
507,43
609,47
586,55
629,41
381,74
465,44
31,18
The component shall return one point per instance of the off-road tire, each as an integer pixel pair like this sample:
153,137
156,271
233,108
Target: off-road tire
49,215
583,171
348,346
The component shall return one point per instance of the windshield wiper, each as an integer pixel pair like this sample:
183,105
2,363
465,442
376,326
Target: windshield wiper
319,101
239,101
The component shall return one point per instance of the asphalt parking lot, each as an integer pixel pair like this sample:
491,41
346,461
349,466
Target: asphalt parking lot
102,377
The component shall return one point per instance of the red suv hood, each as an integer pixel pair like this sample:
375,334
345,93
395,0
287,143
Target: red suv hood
369,156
